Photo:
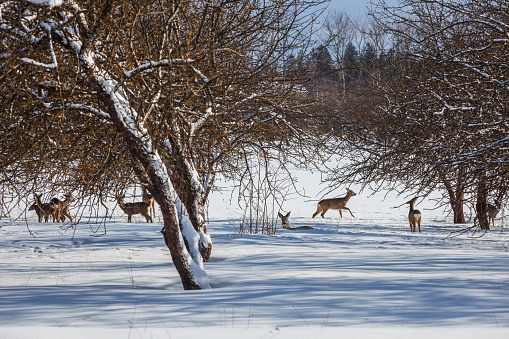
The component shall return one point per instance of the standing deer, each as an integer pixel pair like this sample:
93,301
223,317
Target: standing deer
414,216
493,211
150,201
285,220
132,208
60,209
335,204
42,210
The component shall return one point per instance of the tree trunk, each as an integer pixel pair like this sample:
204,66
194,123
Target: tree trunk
456,197
170,234
481,207
188,263
192,194
459,215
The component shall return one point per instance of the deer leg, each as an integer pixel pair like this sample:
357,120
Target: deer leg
147,216
318,210
346,208
340,213
324,210
66,214
129,216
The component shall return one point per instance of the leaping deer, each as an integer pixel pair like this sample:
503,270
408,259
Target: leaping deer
132,208
335,204
414,216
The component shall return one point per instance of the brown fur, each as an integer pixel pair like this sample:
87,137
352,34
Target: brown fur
285,220
492,212
42,210
335,204
414,216
60,209
134,208
150,201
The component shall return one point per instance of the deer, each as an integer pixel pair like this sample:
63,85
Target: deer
335,204
285,220
150,201
414,216
60,209
132,208
493,211
42,210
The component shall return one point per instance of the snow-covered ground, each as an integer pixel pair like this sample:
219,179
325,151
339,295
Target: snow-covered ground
362,277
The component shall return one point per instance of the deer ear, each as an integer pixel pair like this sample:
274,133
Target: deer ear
279,214
288,214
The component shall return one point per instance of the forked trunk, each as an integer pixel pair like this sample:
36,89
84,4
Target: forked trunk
193,195
170,234
187,261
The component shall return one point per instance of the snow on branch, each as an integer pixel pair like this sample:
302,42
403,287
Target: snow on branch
54,63
153,64
48,3
96,112
195,126
200,74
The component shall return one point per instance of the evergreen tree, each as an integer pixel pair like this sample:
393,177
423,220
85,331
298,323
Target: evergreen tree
322,61
368,60
351,63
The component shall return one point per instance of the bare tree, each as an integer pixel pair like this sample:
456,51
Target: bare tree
442,122
100,95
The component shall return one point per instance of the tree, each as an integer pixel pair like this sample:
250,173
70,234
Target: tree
101,94
351,63
368,60
443,122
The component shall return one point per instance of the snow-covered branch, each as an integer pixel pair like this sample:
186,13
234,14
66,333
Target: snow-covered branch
54,63
47,3
200,74
154,64
95,111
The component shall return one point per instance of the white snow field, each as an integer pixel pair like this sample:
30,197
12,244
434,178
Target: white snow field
362,277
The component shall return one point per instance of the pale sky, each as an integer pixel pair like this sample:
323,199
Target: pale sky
354,8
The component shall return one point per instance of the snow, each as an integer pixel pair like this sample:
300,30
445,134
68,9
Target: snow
362,277
49,3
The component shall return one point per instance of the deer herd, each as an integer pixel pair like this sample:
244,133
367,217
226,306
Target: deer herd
414,216
59,210
56,208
